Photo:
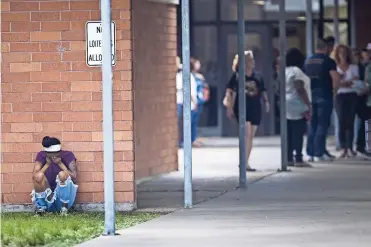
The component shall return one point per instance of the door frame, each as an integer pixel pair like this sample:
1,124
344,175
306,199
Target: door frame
265,30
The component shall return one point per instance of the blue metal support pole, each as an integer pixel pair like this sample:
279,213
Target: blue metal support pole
187,140
309,28
353,24
108,148
241,92
282,77
336,22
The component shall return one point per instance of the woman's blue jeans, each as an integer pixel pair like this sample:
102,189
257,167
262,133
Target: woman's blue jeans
195,116
180,124
195,119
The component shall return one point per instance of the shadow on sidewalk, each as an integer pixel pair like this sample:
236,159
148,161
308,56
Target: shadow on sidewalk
215,172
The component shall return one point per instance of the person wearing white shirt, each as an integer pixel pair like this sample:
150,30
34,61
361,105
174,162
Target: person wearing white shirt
179,90
179,99
298,106
346,98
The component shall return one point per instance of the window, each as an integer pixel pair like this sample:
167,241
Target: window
328,9
252,10
295,9
204,10
296,36
343,31
205,41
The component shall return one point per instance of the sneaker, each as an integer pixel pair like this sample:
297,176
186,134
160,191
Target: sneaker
311,159
365,155
329,155
323,158
196,145
303,165
64,211
344,154
249,169
39,211
353,153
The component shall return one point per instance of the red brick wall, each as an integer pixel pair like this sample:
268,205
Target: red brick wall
154,52
47,89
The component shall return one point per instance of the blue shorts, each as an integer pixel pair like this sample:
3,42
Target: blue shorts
63,194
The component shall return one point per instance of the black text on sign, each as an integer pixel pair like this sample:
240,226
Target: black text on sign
94,35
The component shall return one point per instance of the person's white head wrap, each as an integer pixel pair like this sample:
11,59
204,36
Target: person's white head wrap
53,148
51,144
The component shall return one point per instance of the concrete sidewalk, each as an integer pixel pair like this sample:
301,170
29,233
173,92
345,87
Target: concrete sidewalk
215,171
328,205
325,206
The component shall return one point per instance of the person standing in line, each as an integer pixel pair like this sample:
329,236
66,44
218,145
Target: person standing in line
276,91
346,98
364,60
330,43
298,106
364,108
255,91
179,99
357,60
321,70
203,94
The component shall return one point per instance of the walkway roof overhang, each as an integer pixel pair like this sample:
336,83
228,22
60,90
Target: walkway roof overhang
176,2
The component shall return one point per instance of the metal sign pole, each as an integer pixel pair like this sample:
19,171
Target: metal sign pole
353,24
309,28
336,21
108,151
241,92
282,76
187,140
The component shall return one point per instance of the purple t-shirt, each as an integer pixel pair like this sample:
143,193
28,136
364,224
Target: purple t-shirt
53,170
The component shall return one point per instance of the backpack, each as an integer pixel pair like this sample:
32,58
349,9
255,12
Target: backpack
203,90
206,91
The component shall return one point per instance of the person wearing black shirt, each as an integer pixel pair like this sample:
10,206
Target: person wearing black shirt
321,69
363,62
255,91
363,110
330,43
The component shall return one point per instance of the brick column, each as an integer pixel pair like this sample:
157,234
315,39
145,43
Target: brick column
47,89
363,18
154,70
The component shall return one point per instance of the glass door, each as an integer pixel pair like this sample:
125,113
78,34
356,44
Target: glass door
205,48
258,38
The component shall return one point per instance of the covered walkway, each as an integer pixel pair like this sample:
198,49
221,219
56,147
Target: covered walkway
327,205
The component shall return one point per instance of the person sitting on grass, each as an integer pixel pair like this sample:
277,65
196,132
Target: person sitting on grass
53,175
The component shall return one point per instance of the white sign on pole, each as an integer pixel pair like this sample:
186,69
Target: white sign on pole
94,37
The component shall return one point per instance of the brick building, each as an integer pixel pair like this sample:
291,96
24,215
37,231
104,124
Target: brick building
48,89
